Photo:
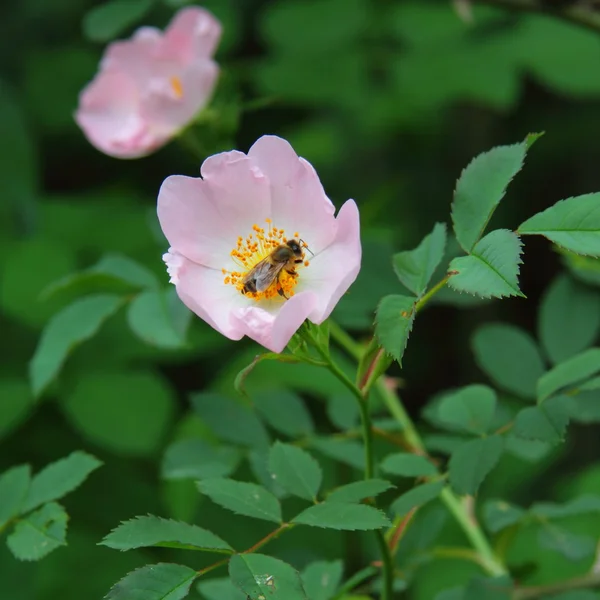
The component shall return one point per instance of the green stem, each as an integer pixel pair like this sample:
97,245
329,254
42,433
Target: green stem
432,292
388,566
539,591
475,535
394,405
344,340
364,415
386,557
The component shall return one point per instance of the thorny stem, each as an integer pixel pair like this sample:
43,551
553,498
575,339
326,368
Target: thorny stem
538,591
432,292
394,405
367,430
364,414
270,536
579,13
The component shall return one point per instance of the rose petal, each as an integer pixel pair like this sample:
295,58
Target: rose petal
203,291
202,219
332,271
273,330
192,34
299,203
109,116
169,108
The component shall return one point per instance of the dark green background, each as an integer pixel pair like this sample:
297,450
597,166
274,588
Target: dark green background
389,100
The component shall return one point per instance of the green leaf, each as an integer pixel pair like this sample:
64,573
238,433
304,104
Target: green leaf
393,321
489,588
20,294
359,490
197,459
568,318
59,478
14,485
344,516
492,269
343,411
573,224
418,496
546,422
230,420
348,452
470,409
220,588
498,514
531,451
405,464
472,462
150,317
114,273
414,268
572,546
39,533
260,576
285,412
163,581
574,370
584,268
510,357
126,412
240,377
481,186
242,498
105,22
295,470
586,504
71,326
322,578
141,532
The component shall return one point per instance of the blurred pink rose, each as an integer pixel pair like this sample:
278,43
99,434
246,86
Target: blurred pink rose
151,86
219,226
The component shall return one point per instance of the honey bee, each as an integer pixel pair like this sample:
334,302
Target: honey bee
285,257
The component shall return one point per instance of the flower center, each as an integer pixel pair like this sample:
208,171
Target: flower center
268,263
177,87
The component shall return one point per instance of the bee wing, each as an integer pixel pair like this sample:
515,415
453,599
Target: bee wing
264,274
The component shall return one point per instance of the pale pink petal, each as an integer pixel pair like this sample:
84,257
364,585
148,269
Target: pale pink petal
333,270
299,203
240,188
202,290
202,219
169,105
273,330
135,57
192,34
108,114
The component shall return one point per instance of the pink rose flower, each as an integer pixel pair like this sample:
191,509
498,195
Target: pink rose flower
151,86
243,208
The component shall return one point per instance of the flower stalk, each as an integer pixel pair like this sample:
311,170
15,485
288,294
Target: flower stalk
396,408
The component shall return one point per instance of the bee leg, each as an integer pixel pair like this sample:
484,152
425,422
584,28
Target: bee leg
280,290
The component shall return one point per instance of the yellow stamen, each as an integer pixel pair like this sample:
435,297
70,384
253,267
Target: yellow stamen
254,248
177,87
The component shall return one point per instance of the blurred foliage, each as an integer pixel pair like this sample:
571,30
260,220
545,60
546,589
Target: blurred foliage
389,101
